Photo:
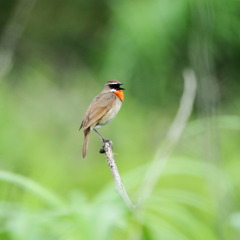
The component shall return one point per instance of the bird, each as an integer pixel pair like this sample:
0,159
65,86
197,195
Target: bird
103,108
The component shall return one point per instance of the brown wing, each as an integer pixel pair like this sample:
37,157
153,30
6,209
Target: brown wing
100,105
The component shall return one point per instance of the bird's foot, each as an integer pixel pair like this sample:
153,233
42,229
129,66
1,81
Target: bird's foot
102,150
106,140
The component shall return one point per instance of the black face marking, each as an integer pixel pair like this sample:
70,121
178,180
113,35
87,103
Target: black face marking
116,86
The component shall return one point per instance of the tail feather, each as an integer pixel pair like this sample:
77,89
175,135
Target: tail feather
85,144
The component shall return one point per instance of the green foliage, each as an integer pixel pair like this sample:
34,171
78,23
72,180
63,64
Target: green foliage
48,192
67,51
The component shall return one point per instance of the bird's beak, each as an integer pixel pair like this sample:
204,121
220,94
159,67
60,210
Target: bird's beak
120,87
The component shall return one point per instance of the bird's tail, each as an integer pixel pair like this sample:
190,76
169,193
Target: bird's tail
85,144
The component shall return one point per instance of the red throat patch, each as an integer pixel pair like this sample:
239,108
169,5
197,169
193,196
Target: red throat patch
120,94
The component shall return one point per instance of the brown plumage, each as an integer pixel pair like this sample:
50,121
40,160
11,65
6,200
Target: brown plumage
102,109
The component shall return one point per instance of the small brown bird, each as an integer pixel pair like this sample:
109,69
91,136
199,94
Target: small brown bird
102,109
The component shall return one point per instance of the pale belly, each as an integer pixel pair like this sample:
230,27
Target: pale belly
110,115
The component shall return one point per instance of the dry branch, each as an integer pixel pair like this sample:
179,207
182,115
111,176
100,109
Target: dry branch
107,146
173,135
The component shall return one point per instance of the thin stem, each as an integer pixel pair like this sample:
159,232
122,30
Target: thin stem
107,146
174,133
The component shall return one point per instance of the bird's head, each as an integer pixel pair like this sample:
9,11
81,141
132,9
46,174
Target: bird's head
113,86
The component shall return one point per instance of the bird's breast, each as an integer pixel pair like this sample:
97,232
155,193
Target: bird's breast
120,94
110,115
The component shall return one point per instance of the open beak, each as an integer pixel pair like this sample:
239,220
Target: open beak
120,87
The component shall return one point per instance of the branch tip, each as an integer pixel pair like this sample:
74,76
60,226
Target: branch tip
107,149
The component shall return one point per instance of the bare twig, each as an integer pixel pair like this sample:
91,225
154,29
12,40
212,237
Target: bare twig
107,146
172,137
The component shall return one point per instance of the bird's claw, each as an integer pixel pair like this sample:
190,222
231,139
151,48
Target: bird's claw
102,150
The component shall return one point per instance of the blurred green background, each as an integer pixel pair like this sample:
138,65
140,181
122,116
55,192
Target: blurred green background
55,56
